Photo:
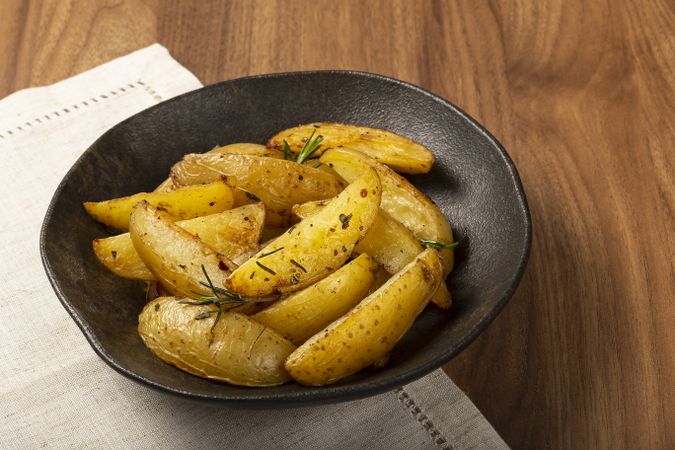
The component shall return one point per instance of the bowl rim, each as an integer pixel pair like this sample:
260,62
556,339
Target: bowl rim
314,395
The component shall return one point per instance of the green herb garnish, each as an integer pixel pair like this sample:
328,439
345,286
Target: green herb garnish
288,154
265,268
429,243
222,298
311,146
297,264
270,253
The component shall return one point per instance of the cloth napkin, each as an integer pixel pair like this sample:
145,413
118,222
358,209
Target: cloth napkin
56,392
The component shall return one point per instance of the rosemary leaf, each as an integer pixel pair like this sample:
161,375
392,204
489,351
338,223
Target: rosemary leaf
429,243
265,268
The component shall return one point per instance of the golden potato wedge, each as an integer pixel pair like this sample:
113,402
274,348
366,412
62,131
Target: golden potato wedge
388,242
238,350
174,256
368,332
313,248
232,233
278,183
400,199
236,149
183,203
302,314
398,152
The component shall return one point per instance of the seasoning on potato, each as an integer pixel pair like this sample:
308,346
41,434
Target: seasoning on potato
313,248
400,199
300,315
368,332
388,242
232,233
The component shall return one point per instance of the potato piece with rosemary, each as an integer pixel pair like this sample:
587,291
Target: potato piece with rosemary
401,200
183,203
388,242
302,314
313,248
400,153
236,349
278,183
174,256
368,332
232,233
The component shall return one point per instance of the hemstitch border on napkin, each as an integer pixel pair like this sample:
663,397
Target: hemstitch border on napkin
409,403
84,103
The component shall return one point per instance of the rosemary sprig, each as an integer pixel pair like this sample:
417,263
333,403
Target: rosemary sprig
220,297
288,154
429,243
311,146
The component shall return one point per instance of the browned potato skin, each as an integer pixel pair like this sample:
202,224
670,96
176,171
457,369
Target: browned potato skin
400,199
238,350
388,242
173,255
278,183
245,148
184,203
313,248
302,314
400,153
241,148
232,233
368,332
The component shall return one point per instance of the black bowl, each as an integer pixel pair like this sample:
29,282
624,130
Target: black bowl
474,183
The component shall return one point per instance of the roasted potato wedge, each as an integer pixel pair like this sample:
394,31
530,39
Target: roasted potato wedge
368,332
388,242
400,199
237,350
232,233
183,203
302,314
241,148
174,256
313,248
398,152
278,183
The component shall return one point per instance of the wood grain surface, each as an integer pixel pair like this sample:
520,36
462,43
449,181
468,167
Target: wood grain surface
581,93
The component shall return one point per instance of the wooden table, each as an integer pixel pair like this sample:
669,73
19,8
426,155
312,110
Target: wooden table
581,93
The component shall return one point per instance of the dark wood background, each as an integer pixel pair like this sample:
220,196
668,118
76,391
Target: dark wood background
581,93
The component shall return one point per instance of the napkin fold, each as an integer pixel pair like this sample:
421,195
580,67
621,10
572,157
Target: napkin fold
56,392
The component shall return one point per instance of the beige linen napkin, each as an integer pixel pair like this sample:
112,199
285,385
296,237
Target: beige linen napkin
56,392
